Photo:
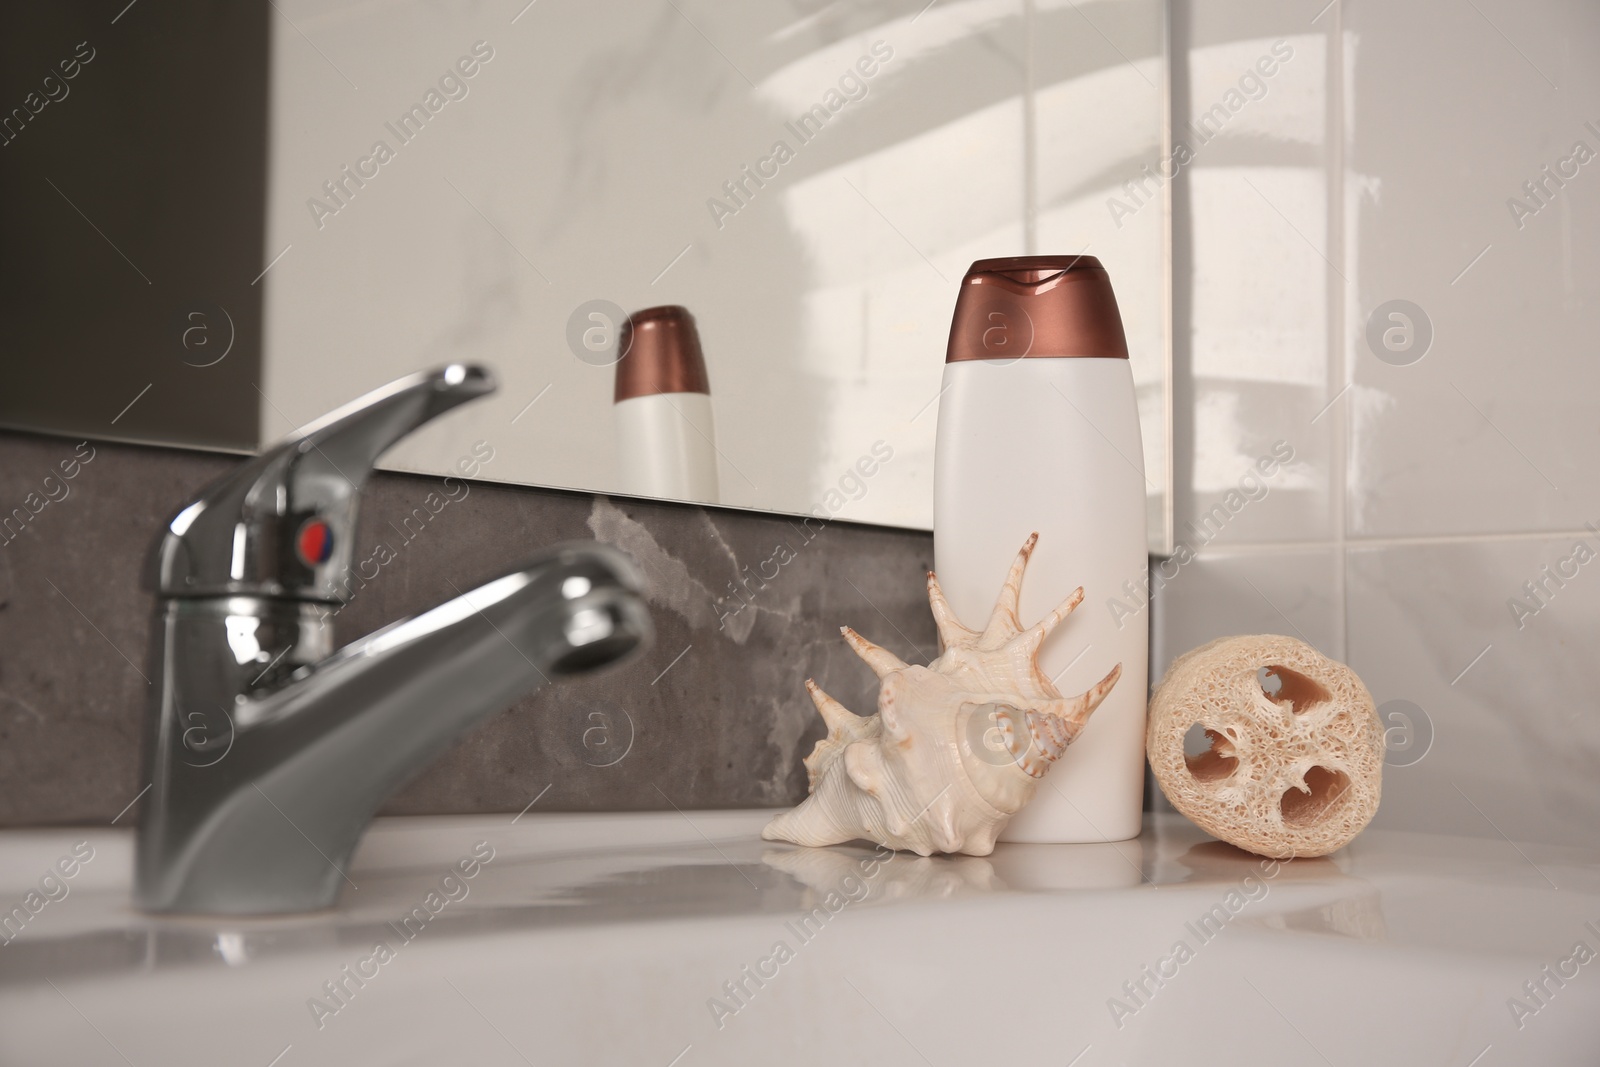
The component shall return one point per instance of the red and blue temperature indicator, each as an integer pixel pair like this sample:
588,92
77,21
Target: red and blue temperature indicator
314,543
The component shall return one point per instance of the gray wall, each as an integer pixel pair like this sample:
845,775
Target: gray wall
717,710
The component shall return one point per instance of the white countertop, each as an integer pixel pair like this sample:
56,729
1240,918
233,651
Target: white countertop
616,939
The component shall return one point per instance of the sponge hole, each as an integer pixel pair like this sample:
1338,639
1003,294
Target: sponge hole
1304,809
1284,686
1202,756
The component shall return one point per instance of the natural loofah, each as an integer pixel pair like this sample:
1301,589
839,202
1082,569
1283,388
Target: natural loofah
1297,772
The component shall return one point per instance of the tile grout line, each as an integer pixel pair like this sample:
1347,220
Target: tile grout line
1360,544
1169,506
1342,371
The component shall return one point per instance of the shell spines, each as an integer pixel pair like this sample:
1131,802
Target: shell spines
905,777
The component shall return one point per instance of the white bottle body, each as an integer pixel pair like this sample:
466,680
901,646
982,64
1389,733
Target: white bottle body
665,446
1053,445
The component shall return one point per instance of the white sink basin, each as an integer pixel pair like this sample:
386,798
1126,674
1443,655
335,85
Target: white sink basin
615,939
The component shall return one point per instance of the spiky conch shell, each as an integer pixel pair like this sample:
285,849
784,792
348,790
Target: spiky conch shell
956,748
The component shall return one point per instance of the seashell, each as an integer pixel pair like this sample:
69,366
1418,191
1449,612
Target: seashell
956,748
1297,772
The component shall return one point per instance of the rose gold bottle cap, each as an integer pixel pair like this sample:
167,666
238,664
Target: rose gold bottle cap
660,354
1045,306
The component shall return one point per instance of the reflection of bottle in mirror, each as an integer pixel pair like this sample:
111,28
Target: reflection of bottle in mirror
1039,431
665,433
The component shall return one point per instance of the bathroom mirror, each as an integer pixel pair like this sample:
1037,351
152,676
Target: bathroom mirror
499,182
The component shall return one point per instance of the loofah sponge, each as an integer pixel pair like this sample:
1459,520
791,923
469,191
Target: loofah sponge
1295,764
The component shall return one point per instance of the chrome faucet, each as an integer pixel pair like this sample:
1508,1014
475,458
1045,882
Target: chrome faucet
269,752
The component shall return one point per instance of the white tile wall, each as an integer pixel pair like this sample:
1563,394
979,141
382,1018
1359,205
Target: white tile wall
1494,430
1251,240
1510,696
1428,485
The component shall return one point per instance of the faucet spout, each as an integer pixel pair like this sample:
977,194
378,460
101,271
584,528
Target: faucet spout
258,809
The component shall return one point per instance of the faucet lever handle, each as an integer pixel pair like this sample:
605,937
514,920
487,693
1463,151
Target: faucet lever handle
283,525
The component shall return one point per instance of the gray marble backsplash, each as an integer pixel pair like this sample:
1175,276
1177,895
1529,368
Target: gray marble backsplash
715,714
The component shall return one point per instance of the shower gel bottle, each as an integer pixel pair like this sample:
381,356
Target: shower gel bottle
1039,431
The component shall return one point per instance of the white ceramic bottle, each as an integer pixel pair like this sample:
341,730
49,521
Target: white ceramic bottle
1039,431
665,432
